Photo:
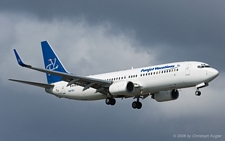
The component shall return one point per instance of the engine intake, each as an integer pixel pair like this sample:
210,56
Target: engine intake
121,88
166,95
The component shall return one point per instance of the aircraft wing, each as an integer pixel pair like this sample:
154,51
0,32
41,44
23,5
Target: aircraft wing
33,83
86,82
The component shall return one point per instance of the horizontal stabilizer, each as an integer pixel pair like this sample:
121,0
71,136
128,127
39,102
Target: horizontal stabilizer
56,72
33,83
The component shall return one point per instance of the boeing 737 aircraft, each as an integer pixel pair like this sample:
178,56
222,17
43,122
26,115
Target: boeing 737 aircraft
161,82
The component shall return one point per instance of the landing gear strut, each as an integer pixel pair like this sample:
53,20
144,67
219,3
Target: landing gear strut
201,85
137,104
110,101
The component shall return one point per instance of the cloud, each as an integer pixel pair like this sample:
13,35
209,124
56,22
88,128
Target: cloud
179,30
91,38
81,47
29,111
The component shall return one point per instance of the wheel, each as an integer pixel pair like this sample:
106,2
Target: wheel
108,101
134,104
197,93
139,105
113,101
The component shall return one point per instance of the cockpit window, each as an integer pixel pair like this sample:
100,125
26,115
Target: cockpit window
203,66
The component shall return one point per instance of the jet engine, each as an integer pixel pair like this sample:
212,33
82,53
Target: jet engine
121,88
166,95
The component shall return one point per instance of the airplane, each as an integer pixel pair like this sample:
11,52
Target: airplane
160,82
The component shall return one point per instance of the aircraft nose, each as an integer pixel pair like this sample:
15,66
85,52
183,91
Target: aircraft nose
214,73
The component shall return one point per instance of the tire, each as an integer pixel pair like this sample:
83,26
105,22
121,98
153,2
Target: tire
134,104
139,105
108,101
113,101
197,93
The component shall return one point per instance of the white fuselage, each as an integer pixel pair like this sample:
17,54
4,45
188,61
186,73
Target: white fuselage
147,80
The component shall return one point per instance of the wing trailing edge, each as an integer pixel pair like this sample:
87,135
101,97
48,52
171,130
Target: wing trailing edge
33,83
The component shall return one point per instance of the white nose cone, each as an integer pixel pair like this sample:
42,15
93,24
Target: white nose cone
213,73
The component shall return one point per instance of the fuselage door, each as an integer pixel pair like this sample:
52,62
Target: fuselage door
188,70
63,90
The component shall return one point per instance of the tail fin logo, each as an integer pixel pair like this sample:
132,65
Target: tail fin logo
52,65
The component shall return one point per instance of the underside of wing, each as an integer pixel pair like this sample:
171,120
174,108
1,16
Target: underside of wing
86,82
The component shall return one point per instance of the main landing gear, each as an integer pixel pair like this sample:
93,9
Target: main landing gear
137,104
110,101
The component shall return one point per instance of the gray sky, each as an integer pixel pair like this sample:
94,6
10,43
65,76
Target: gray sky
101,36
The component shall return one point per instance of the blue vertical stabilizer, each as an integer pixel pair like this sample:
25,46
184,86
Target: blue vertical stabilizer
52,62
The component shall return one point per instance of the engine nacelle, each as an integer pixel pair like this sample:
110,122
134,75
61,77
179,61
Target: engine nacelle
121,88
166,95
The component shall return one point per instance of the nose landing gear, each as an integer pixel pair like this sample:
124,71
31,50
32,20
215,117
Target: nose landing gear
201,85
197,92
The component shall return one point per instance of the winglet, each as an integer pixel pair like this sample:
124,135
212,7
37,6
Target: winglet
20,62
